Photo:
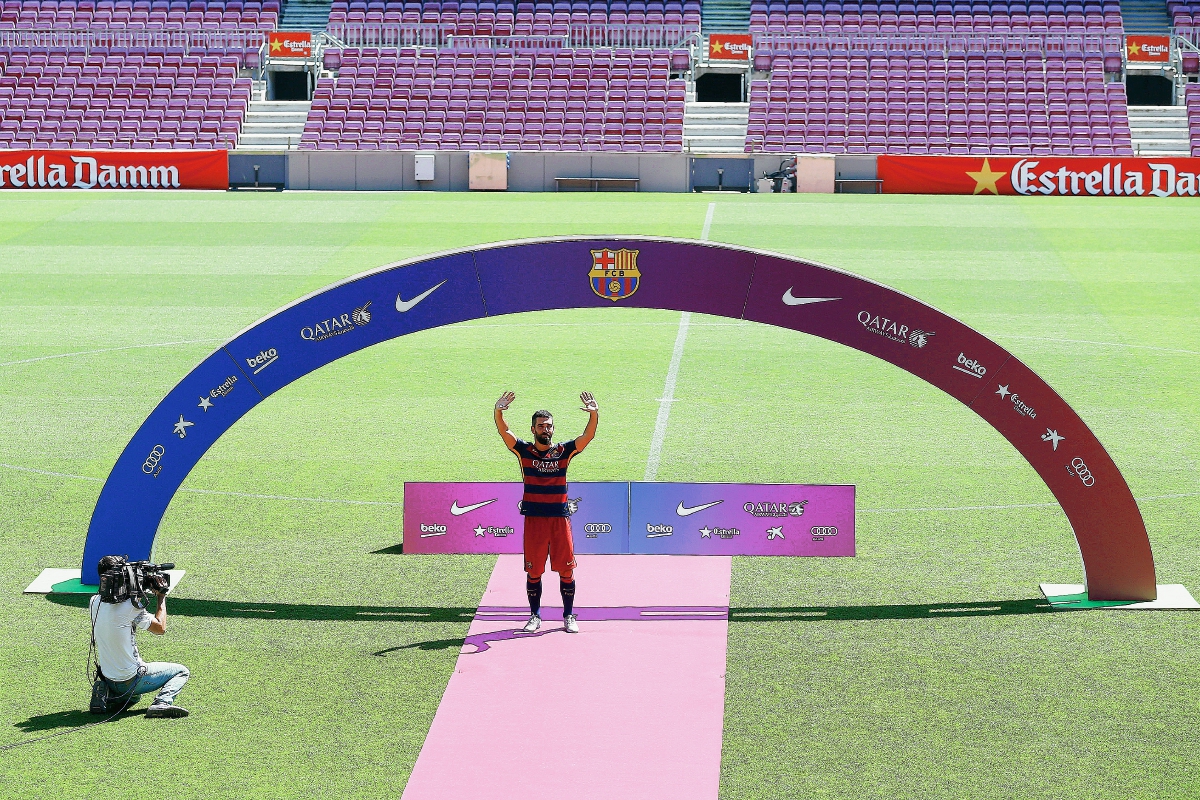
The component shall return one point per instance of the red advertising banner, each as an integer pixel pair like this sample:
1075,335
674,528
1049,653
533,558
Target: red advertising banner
1148,49
289,44
1112,176
730,46
114,169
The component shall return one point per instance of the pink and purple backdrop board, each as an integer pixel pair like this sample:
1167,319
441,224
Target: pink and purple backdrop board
741,519
483,517
697,519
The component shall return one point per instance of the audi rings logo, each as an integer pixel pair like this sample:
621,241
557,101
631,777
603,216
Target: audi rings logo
597,527
152,465
1081,471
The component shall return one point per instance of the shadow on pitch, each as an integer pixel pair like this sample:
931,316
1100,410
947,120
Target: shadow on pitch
227,609
69,719
993,608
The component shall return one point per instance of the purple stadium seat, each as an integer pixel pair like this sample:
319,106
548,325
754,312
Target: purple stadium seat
566,100
917,104
126,100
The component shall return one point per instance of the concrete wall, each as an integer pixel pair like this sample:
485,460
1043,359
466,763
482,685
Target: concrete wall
351,170
856,168
272,169
374,170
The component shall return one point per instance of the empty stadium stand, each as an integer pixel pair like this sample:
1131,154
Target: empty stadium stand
1185,18
963,16
918,104
508,18
120,100
618,100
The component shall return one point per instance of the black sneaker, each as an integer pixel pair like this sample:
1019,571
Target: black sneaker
165,711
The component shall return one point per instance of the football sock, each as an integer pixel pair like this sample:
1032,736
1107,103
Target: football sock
534,590
568,596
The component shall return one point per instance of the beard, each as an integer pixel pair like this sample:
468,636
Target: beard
543,438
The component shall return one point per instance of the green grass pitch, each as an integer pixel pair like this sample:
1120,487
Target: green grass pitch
318,663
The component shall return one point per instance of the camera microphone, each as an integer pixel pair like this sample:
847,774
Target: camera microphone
166,566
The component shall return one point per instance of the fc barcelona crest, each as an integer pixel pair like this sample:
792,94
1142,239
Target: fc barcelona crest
614,275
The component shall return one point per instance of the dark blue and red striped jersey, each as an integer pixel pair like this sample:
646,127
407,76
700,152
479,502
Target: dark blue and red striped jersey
545,478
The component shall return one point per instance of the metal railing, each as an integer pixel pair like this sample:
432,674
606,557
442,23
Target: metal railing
1191,36
87,39
578,36
942,44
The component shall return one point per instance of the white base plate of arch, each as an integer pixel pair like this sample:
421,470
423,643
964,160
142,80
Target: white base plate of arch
53,576
1170,595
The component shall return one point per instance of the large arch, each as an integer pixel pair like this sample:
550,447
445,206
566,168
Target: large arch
647,273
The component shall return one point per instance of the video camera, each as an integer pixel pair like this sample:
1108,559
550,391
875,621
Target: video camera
132,580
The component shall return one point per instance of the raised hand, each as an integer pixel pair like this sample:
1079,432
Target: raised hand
505,401
589,402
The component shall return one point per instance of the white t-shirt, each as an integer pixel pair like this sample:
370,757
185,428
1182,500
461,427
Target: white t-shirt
115,624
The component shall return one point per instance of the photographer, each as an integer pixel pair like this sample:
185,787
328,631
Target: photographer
122,675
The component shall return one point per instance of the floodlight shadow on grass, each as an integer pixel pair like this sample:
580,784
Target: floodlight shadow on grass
227,609
987,608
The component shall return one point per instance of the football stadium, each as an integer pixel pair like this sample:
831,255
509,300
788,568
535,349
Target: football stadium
866,330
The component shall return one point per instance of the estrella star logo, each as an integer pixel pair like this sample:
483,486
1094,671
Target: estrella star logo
985,179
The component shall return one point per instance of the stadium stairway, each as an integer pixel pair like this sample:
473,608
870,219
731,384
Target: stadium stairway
715,127
725,16
1145,16
272,125
305,15
1159,131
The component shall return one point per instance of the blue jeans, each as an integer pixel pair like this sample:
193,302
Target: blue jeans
164,676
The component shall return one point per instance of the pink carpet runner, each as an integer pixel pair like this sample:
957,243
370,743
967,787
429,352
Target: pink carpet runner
631,707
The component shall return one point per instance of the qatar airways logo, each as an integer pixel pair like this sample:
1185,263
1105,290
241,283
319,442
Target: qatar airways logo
891,329
336,326
1163,180
86,173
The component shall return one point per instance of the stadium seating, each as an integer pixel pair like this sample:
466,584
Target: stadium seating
1192,98
513,17
914,104
121,100
614,100
904,16
1185,16
178,14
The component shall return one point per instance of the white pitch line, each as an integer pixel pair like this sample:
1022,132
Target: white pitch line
214,491
1103,344
664,403
712,208
290,497
668,395
383,503
106,350
51,474
1013,506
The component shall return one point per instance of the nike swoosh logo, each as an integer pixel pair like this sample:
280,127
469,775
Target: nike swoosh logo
458,511
406,305
799,301
684,511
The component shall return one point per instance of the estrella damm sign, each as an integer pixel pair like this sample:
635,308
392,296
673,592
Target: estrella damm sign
614,275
